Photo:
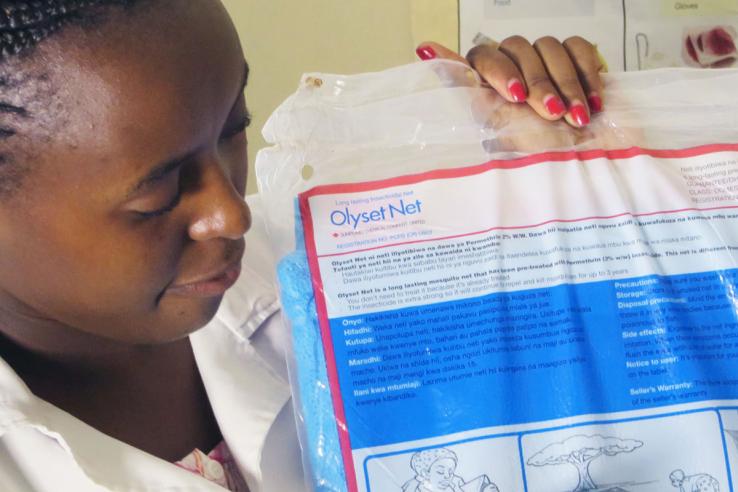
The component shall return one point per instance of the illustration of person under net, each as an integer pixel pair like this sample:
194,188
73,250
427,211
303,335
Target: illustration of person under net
435,471
700,482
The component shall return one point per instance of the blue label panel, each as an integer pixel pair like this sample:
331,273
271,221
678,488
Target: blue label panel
536,355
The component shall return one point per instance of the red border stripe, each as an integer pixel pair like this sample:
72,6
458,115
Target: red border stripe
565,156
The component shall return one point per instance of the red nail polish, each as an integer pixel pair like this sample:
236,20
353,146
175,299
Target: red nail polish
579,114
595,103
517,91
554,105
425,53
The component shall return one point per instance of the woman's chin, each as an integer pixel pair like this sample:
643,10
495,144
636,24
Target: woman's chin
189,319
174,321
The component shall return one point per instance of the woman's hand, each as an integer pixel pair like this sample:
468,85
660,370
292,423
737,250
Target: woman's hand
558,80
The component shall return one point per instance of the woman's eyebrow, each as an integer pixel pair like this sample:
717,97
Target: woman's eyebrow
245,76
157,173
244,82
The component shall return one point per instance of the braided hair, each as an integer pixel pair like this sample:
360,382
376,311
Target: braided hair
24,24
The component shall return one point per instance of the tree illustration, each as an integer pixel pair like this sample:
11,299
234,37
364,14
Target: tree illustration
579,451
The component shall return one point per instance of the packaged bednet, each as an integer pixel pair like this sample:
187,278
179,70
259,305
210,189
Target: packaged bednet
482,301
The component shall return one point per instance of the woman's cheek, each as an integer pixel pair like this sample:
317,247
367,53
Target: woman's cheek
144,260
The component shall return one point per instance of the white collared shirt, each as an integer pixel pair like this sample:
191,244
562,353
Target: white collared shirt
241,360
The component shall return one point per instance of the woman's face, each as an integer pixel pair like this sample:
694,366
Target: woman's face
129,225
440,474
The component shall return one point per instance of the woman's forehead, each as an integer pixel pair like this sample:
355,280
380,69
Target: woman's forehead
180,48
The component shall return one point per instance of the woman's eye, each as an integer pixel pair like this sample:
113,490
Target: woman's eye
162,198
163,210
237,129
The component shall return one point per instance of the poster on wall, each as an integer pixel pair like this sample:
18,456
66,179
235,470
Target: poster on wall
630,34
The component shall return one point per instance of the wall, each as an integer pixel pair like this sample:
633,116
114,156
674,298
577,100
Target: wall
285,38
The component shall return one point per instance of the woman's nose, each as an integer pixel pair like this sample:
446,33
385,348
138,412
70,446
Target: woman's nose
220,211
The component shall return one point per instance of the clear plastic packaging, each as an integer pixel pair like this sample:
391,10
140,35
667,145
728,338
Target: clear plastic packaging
483,301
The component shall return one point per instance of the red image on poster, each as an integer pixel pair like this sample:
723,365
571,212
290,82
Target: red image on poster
710,48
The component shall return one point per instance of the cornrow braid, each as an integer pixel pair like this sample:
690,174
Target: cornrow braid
24,24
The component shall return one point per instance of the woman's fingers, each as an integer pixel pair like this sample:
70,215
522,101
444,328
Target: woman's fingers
564,75
493,66
588,65
430,50
557,80
499,71
543,96
448,76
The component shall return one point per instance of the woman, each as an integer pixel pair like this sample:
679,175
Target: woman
435,471
122,222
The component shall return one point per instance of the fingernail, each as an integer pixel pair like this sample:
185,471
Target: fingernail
517,91
579,114
554,104
425,53
595,102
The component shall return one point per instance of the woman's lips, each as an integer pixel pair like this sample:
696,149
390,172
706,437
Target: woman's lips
212,285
